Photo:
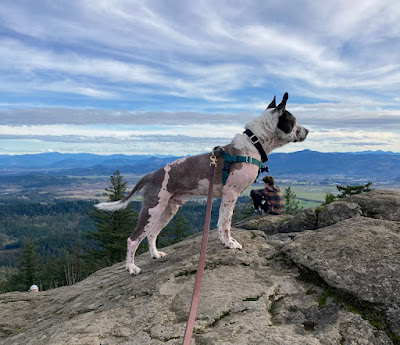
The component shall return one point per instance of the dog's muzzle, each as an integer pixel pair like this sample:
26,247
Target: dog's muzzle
301,134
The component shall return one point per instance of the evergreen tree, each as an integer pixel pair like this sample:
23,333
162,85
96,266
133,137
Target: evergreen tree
175,232
292,205
28,268
181,228
243,209
113,228
75,264
329,197
52,275
352,190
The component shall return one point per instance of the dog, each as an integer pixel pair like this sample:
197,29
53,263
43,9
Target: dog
166,189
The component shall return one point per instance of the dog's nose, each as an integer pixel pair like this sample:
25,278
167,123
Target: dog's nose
306,131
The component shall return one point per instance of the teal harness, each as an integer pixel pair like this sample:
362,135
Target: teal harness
238,159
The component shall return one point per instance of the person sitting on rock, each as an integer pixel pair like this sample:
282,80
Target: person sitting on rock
269,199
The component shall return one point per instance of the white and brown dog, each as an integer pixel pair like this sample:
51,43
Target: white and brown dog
166,189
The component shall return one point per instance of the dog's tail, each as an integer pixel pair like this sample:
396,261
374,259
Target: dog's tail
123,203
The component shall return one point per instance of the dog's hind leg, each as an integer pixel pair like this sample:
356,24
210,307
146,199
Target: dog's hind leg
154,203
130,256
165,218
134,241
148,221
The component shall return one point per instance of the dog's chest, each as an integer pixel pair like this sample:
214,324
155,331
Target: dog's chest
241,176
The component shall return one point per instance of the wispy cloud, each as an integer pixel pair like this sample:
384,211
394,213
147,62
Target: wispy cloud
319,115
207,62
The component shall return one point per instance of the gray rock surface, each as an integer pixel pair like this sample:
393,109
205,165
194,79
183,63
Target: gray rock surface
268,223
305,220
248,297
254,296
337,211
379,204
360,256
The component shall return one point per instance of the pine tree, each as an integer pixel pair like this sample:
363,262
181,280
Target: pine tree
175,232
28,268
329,197
242,210
52,275
74,266
181,228
113,228
292,205
352,190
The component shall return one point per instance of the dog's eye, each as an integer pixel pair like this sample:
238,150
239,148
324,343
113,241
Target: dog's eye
286,122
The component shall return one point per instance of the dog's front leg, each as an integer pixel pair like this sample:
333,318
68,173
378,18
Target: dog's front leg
225,218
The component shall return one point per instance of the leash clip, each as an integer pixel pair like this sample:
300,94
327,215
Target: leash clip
213,159
216,152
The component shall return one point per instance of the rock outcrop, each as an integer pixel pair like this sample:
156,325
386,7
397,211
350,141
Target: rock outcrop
359,257
305,220
337,211
379,204
339,284
268,223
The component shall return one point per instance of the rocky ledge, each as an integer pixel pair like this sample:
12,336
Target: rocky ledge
337,282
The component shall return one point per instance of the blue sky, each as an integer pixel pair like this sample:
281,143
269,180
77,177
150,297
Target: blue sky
179,77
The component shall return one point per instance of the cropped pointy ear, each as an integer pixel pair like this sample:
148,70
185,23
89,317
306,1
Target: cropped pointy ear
272,104
281,107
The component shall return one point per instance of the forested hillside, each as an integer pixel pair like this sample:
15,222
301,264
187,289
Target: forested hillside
58,232
53,227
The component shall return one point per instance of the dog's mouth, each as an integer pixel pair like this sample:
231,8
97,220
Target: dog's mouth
301,134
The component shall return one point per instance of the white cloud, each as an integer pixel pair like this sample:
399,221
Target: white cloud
320,115
343,127
337,59
122,133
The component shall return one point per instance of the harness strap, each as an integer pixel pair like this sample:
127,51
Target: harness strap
256,142
237,159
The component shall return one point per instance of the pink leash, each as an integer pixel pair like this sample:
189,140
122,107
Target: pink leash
202,259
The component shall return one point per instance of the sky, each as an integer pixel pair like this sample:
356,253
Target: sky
180,77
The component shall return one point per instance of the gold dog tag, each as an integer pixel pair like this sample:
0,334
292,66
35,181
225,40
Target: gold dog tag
213,159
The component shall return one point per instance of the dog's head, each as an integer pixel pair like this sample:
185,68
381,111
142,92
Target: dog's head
283,123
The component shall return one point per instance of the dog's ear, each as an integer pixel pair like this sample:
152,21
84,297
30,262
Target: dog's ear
272,104
281,107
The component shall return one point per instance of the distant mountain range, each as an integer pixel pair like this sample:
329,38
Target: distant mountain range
313,163
310,163
80,164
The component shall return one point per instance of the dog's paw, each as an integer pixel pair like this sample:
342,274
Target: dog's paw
233,244
222,237
133,270
158,254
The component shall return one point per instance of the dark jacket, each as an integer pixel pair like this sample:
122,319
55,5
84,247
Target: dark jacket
273,196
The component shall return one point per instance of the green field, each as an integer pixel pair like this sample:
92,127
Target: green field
308,195
312,195
44,188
